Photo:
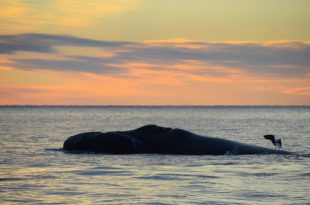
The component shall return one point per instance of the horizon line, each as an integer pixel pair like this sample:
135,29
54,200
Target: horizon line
168,105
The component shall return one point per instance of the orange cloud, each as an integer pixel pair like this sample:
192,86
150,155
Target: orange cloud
141,87
298,91
12,9
59,16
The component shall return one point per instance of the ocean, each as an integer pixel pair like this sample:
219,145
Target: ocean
34,169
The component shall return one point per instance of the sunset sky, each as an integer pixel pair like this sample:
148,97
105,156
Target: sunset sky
155,52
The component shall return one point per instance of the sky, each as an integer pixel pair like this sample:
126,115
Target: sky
154,52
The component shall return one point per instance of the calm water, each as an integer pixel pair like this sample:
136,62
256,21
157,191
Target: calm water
32,170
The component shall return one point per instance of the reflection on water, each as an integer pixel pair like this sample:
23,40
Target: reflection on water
34,170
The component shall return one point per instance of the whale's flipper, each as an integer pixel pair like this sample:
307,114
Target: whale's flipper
270,137
276,142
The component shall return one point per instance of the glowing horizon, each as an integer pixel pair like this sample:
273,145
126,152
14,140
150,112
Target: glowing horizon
122,52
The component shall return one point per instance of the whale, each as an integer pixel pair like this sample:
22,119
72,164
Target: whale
154,139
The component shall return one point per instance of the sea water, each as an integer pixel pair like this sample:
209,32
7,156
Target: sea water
34,170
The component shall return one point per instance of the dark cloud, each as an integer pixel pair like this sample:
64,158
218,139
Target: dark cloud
250,57
46,42
11,47
65,65
288,59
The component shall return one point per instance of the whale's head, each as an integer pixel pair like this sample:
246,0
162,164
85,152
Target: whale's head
98,142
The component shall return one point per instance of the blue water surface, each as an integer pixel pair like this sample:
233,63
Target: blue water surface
33,170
